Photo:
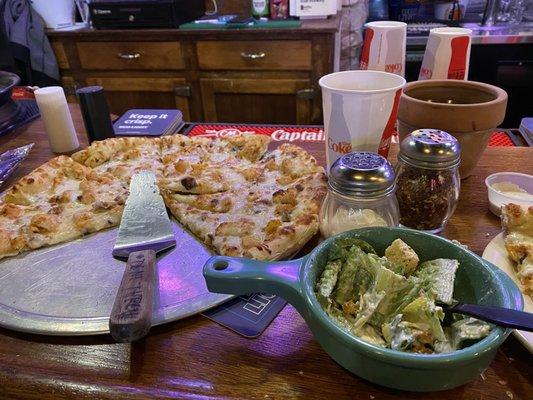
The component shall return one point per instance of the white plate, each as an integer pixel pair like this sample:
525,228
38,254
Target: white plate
496,253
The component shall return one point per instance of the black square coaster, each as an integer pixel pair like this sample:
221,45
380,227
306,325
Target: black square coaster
247,315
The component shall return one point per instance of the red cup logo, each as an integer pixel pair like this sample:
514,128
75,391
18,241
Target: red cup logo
389,128
394,68
457,67
339,147
365,52
425,73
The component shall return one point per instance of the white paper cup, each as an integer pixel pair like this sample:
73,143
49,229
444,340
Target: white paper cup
384,47
360,109
447,54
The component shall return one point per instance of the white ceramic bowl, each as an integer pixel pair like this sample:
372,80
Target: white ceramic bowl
497,199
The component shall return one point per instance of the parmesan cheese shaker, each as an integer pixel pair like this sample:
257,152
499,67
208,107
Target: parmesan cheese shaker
57,119
360,194
428,180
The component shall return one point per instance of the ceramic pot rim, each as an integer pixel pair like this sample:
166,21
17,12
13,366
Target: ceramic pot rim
501,95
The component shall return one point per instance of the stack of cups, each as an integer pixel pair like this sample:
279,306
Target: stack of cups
360,109
384,47
447,54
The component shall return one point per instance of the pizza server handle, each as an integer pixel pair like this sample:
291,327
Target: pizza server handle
131,316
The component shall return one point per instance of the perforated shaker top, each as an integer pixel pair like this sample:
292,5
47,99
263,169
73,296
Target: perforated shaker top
431,148
361,174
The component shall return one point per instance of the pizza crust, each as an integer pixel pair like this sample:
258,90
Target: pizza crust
58,202
229,192
122,157
517,222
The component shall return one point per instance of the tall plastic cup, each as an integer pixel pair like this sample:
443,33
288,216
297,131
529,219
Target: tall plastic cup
360,109
447,54
384,47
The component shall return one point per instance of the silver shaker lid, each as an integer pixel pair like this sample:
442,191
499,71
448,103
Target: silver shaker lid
430,148
361,174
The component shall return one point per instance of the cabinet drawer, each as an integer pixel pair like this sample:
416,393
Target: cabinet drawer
130,55
255,55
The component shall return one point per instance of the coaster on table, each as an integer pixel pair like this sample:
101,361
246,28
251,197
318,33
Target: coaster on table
140,122
247,315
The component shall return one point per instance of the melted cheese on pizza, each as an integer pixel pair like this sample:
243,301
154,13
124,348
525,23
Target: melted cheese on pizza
59,201
229,192
518,224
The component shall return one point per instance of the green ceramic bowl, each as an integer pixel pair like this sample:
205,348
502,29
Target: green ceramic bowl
478,281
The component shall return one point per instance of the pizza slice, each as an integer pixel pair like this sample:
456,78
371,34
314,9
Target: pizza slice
200,166
517,222
264,222
122,157
59,201
288,163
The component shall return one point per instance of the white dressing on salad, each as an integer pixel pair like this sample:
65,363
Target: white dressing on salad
389,303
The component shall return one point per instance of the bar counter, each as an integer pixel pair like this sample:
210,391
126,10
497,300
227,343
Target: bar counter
197,359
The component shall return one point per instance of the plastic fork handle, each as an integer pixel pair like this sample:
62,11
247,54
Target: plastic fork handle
505,317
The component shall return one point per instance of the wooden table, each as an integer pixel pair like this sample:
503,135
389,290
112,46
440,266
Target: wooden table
198,359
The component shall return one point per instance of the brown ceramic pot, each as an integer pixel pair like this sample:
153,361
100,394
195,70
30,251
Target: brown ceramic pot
468,110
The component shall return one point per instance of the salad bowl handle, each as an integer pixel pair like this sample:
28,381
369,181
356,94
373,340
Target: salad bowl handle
240,276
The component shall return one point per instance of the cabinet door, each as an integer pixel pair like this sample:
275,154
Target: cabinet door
124,94
264,101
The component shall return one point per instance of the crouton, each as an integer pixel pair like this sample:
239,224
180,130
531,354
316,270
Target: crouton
401,253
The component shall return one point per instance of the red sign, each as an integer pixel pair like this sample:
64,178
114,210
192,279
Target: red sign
277,133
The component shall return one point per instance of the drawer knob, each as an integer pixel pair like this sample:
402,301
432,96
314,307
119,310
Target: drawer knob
305,94
183,91
129,56
253,56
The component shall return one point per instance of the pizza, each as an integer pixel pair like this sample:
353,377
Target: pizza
232,193
201,166
517,222
253,203
122,157
58,202
264,222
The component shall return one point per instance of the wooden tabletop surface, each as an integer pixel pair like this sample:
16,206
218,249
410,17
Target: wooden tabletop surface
198,359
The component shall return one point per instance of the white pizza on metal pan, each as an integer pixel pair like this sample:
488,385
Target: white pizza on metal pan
232,193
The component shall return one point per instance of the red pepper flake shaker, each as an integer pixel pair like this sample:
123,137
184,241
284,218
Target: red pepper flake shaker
428,183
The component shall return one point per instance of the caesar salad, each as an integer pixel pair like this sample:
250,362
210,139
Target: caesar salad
393,301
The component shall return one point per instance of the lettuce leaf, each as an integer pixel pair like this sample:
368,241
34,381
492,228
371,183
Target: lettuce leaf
328,279
341,247
371,335
368,304
356,275
439,278
423,313
468,329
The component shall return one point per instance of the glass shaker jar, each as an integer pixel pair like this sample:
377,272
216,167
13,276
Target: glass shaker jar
428,180
360,194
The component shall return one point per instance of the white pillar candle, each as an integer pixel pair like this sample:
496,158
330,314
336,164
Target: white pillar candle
57,119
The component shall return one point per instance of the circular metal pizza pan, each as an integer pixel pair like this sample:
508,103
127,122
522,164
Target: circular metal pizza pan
69,289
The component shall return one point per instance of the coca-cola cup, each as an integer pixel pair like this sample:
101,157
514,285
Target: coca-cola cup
447,54
360,109
384,47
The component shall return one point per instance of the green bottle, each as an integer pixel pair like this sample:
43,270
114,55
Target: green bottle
260,8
